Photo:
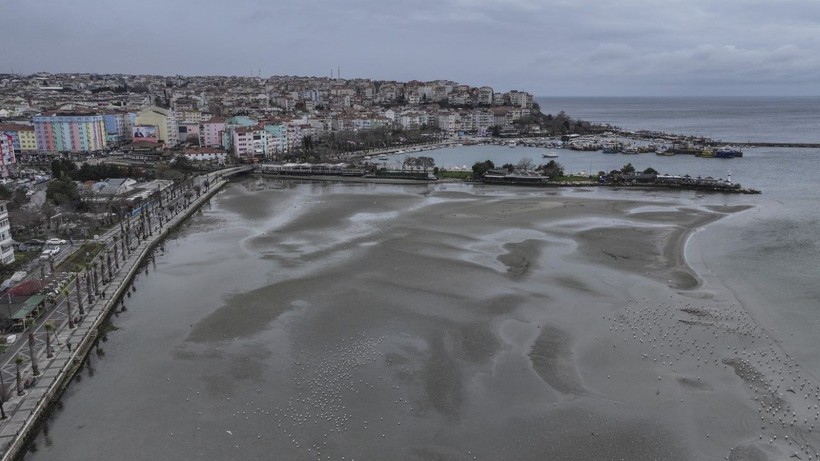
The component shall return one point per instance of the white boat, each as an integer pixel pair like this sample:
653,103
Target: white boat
383,158
550,155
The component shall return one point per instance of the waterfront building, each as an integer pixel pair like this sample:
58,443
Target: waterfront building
250,141
277,137
206,154
6,247
23,138
449,122
163,120
59,131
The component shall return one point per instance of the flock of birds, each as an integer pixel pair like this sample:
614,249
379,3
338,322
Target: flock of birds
686,337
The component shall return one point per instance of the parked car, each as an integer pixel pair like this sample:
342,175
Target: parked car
35,242
55,241
49,252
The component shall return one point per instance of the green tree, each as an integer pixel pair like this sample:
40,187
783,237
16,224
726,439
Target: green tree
650,170
552,169
63,192
481,168
627,169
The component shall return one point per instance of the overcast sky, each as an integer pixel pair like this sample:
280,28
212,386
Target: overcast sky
546,47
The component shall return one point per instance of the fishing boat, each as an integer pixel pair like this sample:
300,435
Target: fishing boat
728,152
612,148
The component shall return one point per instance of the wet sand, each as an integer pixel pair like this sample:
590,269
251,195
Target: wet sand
452,323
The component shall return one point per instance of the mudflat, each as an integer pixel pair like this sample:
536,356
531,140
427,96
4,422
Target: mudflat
457,323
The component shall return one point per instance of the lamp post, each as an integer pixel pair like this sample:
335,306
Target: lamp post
2,396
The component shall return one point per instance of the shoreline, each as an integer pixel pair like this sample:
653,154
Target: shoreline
57,373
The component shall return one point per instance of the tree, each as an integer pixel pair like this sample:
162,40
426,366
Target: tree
61,166
650,170
552,169
426,162
69,310
18,361
525,164
627,169
63,192
480,168
35,367
49,328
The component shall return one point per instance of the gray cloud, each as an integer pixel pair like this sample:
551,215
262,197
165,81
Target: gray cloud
552,47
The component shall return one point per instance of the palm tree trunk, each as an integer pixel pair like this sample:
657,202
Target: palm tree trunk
79,295
69,312
49,354
96,281
35,367
88,285
19,380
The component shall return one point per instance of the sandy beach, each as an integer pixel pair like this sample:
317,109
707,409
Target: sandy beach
457,323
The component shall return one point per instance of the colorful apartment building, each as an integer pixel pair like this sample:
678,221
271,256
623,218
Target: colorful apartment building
23,137
69,132
118,126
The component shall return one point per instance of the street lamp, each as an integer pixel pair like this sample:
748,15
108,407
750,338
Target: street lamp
2,396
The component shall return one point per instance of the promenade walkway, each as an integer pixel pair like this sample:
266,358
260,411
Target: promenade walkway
90,296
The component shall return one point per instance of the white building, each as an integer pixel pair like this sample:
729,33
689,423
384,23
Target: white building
250,141
6,248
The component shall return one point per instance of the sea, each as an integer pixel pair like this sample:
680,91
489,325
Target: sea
769,256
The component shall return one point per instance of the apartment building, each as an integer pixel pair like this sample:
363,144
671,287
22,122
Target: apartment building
59,131
6,248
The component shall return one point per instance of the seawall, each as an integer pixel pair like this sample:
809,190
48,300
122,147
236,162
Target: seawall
57,372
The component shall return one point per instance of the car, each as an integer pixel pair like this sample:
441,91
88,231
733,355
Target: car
35,242
55,241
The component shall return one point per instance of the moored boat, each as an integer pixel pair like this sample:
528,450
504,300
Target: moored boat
550,155
728,152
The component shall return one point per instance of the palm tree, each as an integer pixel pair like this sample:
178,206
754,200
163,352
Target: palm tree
49,328
19,361
88,285
68,310
79,295
35,367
